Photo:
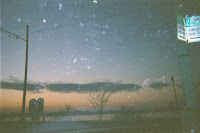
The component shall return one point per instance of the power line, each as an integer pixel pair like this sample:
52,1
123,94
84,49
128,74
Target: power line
61,26
66,25
78,23
90,20
13,34
16,27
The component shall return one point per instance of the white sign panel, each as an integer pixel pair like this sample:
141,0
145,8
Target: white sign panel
181,32
188,31
193,34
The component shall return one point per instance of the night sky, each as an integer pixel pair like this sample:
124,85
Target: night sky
86,41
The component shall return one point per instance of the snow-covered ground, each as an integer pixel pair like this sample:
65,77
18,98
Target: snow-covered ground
57,126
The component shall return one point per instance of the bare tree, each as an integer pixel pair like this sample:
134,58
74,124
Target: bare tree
99,100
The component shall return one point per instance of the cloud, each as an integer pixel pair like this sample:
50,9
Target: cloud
93,87
158,85
14,79
81,88
20,86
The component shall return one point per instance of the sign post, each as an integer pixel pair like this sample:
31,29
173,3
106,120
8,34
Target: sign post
188,31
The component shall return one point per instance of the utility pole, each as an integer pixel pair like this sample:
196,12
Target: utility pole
25,75
26,67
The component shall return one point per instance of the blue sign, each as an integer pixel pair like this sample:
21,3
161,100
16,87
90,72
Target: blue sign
192,21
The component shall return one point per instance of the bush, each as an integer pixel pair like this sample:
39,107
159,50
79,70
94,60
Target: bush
127,114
